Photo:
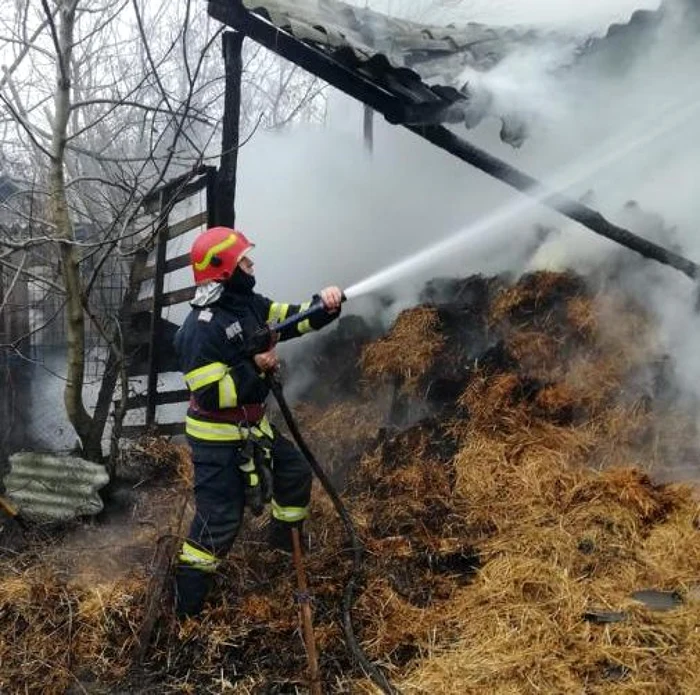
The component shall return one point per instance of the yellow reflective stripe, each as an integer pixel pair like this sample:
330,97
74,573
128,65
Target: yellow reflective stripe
254,481
225,432
196,557
214,431
248,467
221,246
264,427
289,514
277,313
228,396
203,376
305,325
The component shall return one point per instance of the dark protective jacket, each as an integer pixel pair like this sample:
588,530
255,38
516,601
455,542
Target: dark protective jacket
228,392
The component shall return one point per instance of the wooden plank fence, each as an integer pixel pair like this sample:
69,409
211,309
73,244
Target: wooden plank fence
150,341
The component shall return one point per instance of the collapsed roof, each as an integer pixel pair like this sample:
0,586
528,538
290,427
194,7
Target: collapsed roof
432,71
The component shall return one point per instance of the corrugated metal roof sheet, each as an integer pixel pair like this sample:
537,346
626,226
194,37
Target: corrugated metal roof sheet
48,487
336,24
425,65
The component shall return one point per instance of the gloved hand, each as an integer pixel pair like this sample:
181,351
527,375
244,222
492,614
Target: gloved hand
258,478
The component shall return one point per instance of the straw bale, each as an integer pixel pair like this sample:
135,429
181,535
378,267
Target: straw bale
557,403
672,550
15,591
583,316
534,297
340,433
626,488
408,351
536,351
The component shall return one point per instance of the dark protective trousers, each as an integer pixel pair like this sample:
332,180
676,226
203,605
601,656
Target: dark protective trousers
219,491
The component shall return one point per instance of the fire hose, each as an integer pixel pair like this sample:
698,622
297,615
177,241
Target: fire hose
370,669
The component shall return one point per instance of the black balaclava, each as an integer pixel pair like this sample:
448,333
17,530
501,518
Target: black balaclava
240,282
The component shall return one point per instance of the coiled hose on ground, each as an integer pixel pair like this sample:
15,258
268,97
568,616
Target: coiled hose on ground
370,669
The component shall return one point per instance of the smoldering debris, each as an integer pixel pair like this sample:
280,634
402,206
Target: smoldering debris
502,530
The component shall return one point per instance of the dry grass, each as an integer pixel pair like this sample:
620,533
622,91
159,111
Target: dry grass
408,351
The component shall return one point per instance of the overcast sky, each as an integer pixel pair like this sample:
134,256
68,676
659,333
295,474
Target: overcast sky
591,15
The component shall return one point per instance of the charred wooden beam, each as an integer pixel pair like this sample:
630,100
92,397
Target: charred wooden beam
312,59
156,311
498,169
224,203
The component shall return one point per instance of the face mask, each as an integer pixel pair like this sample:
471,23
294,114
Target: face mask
240,281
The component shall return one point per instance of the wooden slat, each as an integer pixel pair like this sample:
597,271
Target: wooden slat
174,297
180,228
152,203
162,398
167,429
173,264
190,189
177,263
178,296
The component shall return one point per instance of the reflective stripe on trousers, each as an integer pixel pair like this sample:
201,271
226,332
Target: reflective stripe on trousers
197,558
289,515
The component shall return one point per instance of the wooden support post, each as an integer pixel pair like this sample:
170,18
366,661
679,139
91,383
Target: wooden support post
224,204
304,601
369,129
4,378
18,379
212,178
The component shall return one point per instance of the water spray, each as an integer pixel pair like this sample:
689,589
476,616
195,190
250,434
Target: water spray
646,131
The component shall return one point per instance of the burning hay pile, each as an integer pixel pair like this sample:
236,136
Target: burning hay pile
510,508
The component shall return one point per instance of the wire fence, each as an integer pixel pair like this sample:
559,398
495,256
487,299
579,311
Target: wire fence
33,355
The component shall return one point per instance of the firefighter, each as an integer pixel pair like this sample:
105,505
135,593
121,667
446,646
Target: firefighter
240,459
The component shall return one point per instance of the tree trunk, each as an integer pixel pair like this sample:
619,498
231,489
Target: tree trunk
70,259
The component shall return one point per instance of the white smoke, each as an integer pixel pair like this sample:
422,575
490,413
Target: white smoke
614,127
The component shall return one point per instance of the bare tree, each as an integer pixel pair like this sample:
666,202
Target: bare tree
100,103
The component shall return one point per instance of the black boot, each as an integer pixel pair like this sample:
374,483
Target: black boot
279,536
191,589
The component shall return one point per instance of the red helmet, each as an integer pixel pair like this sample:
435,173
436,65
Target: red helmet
216,253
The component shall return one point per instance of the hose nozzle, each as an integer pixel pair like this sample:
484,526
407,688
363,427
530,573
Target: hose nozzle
265,340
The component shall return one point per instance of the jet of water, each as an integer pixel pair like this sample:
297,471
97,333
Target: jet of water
642,134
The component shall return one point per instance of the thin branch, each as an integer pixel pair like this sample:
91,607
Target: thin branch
137,105
28,45
33,276
27,127
57,44
10,289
